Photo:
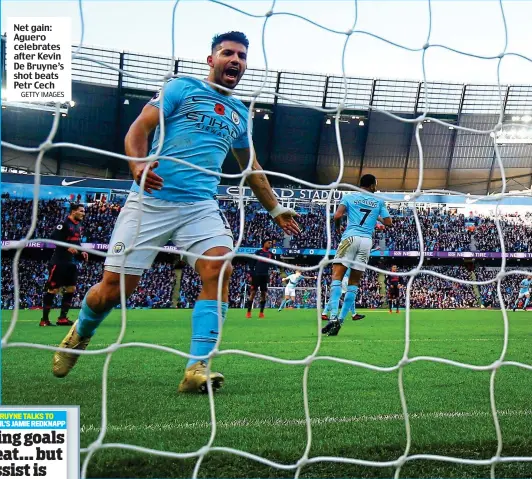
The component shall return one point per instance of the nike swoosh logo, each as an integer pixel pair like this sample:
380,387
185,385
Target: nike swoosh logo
68,183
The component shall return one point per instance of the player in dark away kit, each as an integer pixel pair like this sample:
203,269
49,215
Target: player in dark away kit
393,283
260,278
63,271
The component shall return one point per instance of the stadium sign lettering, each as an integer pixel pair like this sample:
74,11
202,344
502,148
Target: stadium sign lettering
284,193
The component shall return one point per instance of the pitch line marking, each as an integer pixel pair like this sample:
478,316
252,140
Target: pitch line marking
313,341
315,421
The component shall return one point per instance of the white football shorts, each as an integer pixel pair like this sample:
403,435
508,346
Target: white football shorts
193,227
354,248
523,294
289,291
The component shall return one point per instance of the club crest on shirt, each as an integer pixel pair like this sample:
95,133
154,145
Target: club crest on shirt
235,118
119,247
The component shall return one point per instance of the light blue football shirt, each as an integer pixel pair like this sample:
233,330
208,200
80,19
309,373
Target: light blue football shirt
525,285
201,126
363,211
294,280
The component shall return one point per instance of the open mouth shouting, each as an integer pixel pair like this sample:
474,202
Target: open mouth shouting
231,74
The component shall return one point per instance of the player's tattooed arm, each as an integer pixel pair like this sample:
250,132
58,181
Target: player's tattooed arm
136,146
258,181
260,185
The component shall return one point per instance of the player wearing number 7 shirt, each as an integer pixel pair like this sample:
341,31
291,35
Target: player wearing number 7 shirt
363,210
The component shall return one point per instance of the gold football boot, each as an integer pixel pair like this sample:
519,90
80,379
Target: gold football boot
63,361
195,380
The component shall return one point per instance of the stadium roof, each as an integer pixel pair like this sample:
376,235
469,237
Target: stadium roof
293,138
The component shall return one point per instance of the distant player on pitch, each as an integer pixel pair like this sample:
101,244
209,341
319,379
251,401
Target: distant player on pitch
63,271
363,211
524,292
290,290
393,283
260,278
201,124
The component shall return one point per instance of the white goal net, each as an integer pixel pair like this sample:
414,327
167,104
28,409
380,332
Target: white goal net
346,102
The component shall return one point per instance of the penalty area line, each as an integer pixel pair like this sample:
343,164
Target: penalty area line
315,421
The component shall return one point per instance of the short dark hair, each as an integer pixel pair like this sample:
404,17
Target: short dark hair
75,207
368,180
238,37
264,241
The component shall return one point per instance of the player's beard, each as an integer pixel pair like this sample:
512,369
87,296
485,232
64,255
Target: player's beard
226,81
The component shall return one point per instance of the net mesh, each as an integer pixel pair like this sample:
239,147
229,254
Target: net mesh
336,111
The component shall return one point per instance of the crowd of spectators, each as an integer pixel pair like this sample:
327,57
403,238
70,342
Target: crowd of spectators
32,277
157,286
369,295
433,292
100,218
257,223
441,232
509,286
154,290
443,229
17,213
516,228
313,223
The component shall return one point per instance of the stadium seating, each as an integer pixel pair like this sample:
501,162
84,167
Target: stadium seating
488,293
154,290
442,231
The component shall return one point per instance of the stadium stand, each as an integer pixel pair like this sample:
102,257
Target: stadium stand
442,230
488,293
156,286
442,227
154,290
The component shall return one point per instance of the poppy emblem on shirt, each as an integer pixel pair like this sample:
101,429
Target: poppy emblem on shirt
235,118
219,108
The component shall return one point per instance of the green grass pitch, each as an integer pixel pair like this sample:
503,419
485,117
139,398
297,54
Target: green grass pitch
356,413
